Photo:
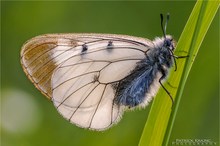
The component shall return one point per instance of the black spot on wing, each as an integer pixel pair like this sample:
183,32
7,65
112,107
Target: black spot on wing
95,78
84,49
110,45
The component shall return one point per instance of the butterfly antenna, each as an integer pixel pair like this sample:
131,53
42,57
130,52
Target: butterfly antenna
165,27
161,18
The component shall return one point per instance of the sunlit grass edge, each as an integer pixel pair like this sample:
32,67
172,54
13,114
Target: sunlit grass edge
160,121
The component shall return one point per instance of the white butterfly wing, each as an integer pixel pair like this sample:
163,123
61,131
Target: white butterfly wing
81,71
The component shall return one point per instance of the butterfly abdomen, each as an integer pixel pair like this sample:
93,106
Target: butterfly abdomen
131,91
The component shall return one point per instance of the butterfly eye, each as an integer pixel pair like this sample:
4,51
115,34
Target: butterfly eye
168,42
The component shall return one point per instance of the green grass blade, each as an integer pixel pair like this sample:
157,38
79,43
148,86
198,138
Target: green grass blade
160,121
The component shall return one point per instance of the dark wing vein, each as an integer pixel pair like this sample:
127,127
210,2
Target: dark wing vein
74,83
97,106
73,93
83,101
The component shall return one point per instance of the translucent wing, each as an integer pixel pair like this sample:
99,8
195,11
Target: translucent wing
81,71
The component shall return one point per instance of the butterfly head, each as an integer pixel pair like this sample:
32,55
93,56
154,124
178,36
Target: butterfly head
169,43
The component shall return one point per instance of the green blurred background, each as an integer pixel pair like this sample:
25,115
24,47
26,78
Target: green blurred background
29,119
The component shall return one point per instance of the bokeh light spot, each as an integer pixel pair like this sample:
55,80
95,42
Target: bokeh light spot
20,113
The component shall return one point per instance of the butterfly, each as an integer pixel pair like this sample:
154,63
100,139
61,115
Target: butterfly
93,78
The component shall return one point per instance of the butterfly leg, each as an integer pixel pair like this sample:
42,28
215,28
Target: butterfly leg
171,85
178,57
160,81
